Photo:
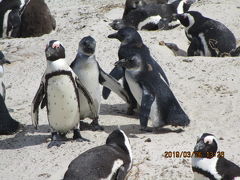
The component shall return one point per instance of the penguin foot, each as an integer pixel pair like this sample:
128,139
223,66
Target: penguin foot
130,111
146,129
55,143
96,127
77,136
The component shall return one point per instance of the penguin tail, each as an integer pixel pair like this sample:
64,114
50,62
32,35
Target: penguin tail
235,52
178,119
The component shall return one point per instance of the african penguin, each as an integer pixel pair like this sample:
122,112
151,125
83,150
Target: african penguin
3,60
153,95
207,164
90,74
110,161
152,16
207,36
131,43
174,48
59,91
7,124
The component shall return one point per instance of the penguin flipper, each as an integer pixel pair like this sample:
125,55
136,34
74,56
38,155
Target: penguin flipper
121,173
87,96
4,91
161,72
146,104
109,82
117,73
35,104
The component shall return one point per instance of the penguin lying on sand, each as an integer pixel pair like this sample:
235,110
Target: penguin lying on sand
174,48
59,91
110,161
91,74
208,37
2,86
131,43
208,163
152,94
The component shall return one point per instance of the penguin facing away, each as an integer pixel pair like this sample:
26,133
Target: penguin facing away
207,36
131,43
153,95
3,61
59,91
110,161
208,164
90,74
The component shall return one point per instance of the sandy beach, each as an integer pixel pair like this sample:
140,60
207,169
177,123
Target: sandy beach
207,88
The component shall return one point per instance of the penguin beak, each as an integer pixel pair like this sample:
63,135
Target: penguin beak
199,146
121,63
5,61
113,36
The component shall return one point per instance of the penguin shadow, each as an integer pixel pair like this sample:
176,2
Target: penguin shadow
116,110
26,137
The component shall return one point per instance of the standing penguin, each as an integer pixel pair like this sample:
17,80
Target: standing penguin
131,43
152,94
209,163
2,86
59,92
110,161
208,37
90,74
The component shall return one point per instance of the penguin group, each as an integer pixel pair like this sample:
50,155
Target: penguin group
71,93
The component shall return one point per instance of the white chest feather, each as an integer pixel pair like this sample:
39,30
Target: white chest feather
205,45
208,165
1,71
151,19
180,7
88,74
116,165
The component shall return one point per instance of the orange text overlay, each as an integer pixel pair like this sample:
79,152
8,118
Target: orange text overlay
189,154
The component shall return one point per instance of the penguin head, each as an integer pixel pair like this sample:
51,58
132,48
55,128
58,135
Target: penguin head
172,46
206,145
87,46
127,35
131,63
189,18
54,50
119,138
3,60
117,24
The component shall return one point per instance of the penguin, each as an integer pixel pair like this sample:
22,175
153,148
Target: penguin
91,74
174,48
152,16
207,36
8,125
156,100
59,92
36,19
131,43
208,164
110,161
3,60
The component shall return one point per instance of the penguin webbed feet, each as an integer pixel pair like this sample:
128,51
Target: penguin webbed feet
57,139
146,129
95,125
77,136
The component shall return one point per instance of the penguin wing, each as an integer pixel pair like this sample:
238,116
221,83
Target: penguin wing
111,83
161,72
146,103
35,104
117,73
4,91
88,97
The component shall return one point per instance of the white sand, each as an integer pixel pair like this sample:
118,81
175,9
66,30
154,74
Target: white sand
208,89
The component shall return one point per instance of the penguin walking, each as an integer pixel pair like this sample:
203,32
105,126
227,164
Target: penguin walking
153,95
208,164
90,74
3,61
110,161
59,91
207,36
131,43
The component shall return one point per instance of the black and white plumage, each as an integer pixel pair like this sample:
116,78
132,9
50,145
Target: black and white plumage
110,161
59,92
91,74
152,93
3,61
151,16
207,36
206,164
131,43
